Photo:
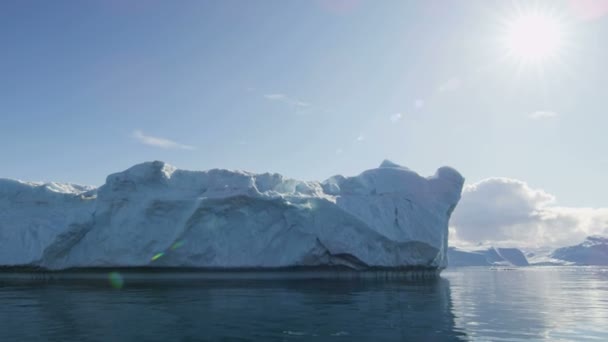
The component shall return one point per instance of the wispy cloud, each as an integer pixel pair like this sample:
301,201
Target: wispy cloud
158,141
275,96
543,114
286,99
450,85
360,138
419,103
396,117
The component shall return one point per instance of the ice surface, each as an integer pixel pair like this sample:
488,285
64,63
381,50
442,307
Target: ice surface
486,257
156,215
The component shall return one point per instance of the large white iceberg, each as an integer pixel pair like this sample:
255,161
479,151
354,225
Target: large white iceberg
156,215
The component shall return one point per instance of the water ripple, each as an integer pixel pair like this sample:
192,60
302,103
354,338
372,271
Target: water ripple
566,303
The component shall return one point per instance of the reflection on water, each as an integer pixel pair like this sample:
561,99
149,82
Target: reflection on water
465,304
263,310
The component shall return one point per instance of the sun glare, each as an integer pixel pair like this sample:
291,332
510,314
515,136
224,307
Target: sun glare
534,37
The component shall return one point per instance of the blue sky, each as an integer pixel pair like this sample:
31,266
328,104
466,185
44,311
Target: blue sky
305,88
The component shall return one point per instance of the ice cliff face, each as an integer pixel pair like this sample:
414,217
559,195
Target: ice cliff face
33,216
155,215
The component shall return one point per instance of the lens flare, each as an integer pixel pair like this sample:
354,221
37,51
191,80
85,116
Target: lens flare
157,256
177,244
116,280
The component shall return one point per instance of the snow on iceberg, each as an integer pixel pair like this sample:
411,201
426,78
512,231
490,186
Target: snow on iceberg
156,215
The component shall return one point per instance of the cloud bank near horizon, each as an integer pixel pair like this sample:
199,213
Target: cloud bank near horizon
508,212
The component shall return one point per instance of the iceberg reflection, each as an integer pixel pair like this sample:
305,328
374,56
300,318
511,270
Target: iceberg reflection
231,309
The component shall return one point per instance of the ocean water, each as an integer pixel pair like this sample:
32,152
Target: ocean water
499,304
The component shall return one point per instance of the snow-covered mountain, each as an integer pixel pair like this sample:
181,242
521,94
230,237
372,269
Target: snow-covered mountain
592,251
486,257
156,215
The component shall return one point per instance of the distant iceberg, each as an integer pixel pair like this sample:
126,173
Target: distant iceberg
156,215
491,256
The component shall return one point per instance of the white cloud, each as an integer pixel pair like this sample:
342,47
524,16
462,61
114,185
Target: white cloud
450,85
360,138
543,114
339,150
503,211
396,117
159,142
418,103
286,99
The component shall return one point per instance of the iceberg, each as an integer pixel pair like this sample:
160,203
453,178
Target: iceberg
154,215
458,257
541,256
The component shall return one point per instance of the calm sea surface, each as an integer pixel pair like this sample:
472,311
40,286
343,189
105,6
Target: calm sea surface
537,303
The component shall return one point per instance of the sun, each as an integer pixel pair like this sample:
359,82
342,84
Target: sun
534,37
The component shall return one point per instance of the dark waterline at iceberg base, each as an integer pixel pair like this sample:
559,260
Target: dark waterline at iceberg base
509,304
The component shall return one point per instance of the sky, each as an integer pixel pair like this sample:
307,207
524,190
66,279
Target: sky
315,88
